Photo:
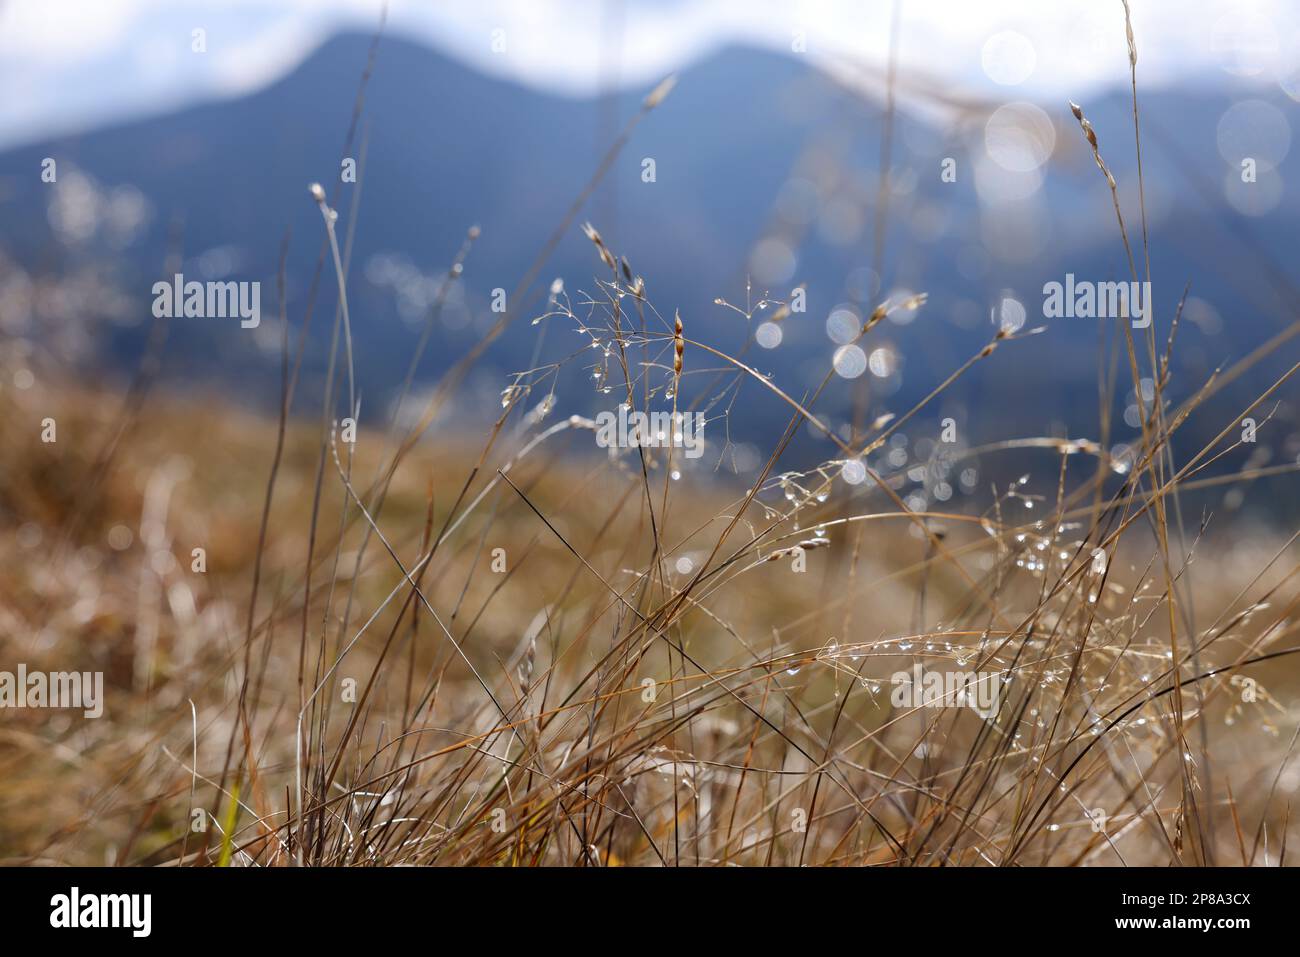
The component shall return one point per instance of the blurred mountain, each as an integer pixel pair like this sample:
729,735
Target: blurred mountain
764,169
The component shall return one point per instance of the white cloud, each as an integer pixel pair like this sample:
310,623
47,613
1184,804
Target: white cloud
66,31
263,57
80,62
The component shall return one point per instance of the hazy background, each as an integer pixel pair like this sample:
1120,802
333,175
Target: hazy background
777,162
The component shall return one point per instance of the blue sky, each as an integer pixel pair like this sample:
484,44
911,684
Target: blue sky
70,64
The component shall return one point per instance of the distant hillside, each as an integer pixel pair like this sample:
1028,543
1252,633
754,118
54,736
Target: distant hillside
751,145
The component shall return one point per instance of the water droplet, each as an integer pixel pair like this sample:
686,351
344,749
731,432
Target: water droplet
853,472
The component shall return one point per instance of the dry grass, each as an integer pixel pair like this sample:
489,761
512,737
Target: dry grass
487,717
652,670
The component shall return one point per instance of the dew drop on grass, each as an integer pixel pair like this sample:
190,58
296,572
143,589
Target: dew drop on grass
853,472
